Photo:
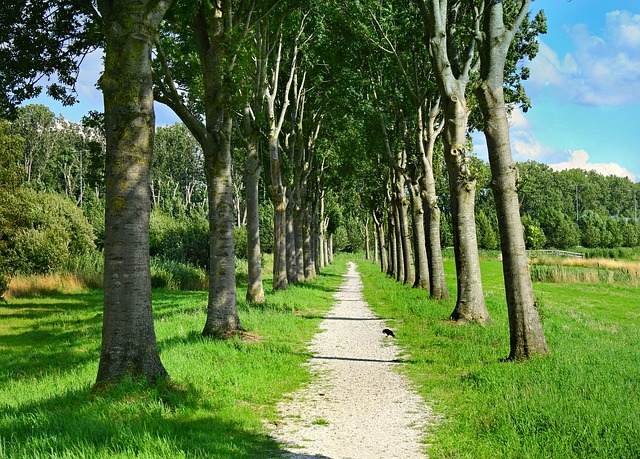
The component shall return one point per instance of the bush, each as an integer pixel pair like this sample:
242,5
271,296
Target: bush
184,239
266,227
486,233
240,236
533,235
40,231
177,276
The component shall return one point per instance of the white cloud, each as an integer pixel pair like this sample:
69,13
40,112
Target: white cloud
579,159
602,70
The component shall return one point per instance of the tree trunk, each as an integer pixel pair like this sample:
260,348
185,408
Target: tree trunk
452,69
279,219
427,135
400,258
470,305
526,334
367,241
292,276
384,260
420,244
407,257
222,311
392,265
308,246
128,337
255,289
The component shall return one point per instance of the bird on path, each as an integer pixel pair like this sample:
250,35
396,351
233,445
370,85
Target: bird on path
388,332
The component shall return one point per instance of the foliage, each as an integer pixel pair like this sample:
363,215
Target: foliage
183,239
240,241
487,233
172,275
40,231
561,232
43,39
349,236
266,226
534,237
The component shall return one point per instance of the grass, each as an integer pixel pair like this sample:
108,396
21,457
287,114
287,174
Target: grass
589,270
581,401
220,399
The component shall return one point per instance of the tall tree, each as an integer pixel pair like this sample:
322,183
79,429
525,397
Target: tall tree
128,336
527,337
200,94
450,27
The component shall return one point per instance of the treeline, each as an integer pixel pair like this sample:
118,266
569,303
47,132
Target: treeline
564,209
301,121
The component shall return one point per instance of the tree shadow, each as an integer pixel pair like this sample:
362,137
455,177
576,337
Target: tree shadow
136,418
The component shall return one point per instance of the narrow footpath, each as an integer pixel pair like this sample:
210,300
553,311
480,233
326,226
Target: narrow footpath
358,407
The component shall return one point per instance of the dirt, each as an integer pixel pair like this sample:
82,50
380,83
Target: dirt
358,406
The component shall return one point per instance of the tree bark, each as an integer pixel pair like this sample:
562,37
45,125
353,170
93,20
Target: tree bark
211,29
252,168
128,338
526,334
427,135
470,305
420,244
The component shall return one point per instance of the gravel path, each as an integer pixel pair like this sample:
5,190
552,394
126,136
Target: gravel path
358,407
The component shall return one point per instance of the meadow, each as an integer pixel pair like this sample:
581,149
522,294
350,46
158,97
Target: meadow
218,404
580,401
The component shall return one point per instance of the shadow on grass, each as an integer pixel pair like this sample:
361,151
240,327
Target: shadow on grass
136,419
44,336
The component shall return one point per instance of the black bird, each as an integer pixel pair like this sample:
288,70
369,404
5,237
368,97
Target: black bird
388,332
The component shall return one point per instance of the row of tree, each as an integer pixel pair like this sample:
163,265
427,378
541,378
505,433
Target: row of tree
560,209
354,109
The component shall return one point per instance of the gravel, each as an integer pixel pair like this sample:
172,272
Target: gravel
358,405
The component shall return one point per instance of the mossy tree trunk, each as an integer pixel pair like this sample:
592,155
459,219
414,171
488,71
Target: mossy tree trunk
128,337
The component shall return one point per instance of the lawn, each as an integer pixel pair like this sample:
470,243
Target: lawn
218,404
580,401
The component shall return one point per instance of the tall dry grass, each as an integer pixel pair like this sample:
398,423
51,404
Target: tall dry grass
48,284
585,270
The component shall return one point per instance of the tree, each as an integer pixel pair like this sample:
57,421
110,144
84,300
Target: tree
200,94
526,334
177,170
128,336
450,29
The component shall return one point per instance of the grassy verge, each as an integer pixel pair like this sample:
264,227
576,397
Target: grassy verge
581,401
221,393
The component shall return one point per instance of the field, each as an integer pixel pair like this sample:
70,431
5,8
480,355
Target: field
581,401
220,397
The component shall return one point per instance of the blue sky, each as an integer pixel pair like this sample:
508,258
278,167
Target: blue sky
584,87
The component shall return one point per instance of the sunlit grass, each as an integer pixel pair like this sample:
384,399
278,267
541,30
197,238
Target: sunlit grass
581,401
585,270
218,403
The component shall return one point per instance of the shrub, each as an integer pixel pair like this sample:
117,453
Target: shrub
240,236
173,275
184,239
40,231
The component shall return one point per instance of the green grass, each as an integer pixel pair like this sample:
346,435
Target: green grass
221,392
581,401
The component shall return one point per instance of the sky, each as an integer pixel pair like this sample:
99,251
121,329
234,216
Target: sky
584,88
